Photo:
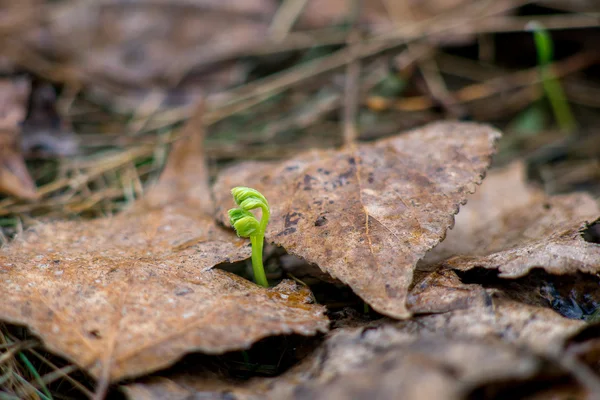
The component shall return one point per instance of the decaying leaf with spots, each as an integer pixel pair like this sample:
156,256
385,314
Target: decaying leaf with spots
367,213
130,294
443,356
513,227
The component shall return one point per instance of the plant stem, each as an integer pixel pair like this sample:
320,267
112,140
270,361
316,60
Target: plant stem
35,374
264,219
558,102
554,91
257,263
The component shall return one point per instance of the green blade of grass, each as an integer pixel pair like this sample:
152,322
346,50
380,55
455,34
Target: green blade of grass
552,87
35,374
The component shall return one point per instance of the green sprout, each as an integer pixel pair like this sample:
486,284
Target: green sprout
247,225
554,91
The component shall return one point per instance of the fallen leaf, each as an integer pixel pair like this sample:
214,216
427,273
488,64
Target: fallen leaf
442,291
443,356
562,251
126,295
418,369
507,213
366,214
574,296
521,231
537,328
484,211
14,177
147,44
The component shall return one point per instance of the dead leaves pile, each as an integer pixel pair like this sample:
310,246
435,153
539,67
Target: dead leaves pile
127,295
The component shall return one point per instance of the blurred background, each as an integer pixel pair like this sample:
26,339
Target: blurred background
92,92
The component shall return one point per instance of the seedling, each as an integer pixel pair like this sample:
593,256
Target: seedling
246,224
551,85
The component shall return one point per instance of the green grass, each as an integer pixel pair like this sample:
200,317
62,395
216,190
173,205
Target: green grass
552,87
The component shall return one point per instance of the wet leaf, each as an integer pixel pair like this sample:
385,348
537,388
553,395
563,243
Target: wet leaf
367,213
14,177
444,356
525,230
130,294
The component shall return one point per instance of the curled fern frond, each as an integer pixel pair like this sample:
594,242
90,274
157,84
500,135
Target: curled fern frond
241,194
246,224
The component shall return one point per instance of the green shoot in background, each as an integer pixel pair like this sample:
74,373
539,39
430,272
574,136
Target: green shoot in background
554,91
246,225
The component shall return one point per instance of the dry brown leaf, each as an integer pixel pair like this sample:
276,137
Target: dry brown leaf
507,212
562,250
484,212
126,295
367,213
442,291
444,356
512,227
538,328
419,370
151,44
415,357
14,177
